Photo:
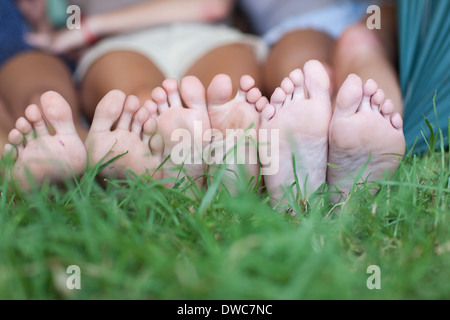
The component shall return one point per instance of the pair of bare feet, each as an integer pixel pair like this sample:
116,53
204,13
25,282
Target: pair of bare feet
297,129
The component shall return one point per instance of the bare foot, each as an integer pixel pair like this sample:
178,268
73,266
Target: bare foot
300,112
134,137
183,128
363,127
237,122
40,155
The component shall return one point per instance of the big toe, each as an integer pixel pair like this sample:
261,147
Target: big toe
108,111
220,90
193,93
317,80
349,96
58,112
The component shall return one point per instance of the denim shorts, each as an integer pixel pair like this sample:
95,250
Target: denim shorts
13,29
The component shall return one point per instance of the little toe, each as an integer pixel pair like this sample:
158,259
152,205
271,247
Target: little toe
58,113
193,93
9,151
108,111
173,94
278,98
159,96
268,113
139,120
34,116
132,105
220,91
317,80
349,96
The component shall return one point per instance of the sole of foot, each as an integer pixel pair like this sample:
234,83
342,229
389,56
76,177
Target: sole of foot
297,122
124,130
40,155
364,131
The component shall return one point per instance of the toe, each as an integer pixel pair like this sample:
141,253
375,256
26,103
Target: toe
16,139
152,108
220,90
157,144
317,80
397,121
108,111
173,94
288,87
25,128
268,113
349,96
254,95
261,104
278,98
245,85
193,93
387,109
132,105
139,120
34,116
9,151
377,100
159,96
298,80
150,128
58,113
370,88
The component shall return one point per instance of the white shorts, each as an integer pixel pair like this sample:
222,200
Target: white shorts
332,20
172,48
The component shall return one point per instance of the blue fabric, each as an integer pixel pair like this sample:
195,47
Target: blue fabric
425,69
13,29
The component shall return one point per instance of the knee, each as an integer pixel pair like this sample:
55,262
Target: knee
355,42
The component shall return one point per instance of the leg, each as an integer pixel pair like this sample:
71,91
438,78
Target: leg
24,79
371,54
235,60
6,124
293,51
127,71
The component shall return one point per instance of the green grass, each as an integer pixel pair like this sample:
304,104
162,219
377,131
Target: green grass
139,240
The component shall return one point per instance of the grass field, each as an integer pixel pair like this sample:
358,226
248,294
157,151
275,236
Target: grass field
135,240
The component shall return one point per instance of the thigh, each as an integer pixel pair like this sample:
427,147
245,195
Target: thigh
128,71
234,60
293,51
24,78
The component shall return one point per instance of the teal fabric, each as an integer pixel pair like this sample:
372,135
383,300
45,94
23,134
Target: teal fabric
57,12
425,67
